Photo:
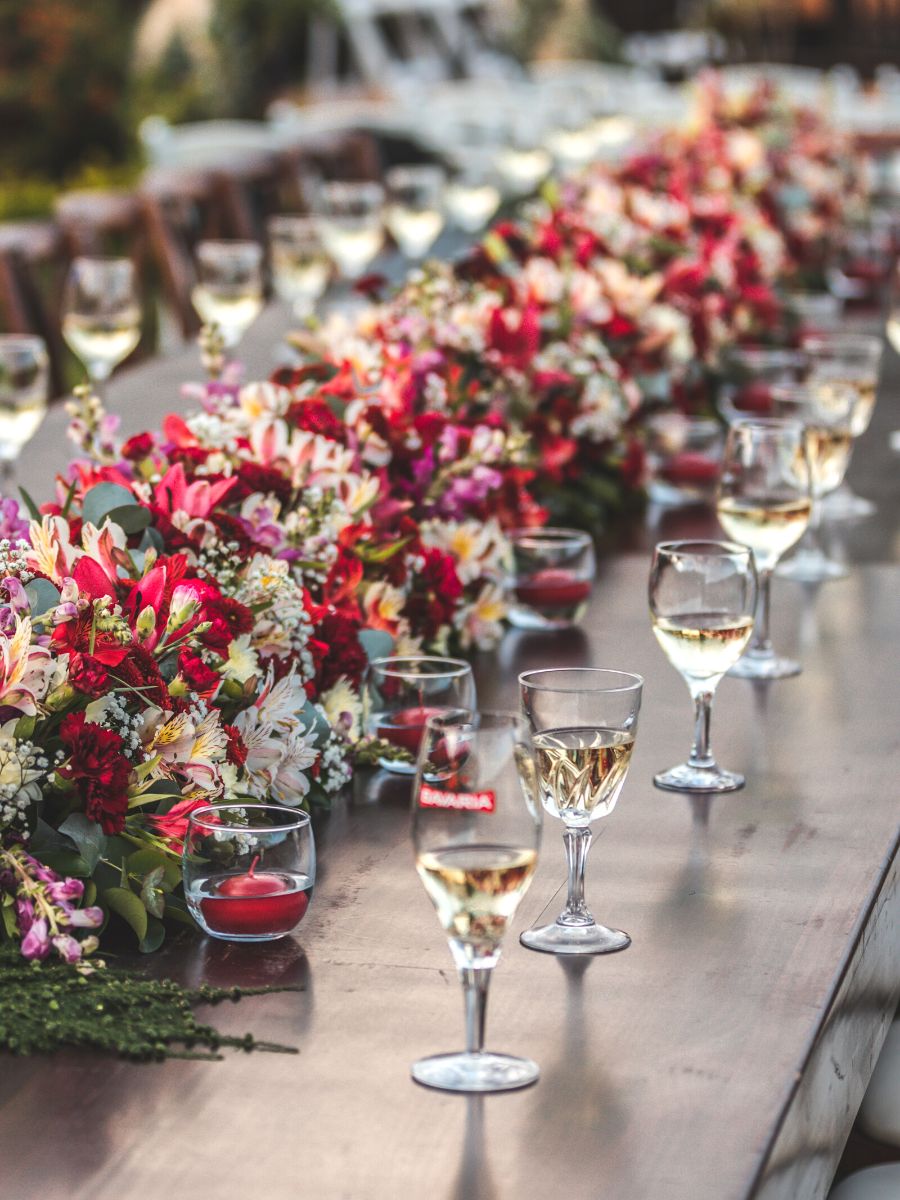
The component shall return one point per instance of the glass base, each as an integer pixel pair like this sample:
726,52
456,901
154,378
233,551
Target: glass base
522,617
685,778
845,505
559,938
811,568
397,766
485,1072
243,937
764,666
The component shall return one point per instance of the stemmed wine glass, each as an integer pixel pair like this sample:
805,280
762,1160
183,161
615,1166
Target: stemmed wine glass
702,599
350,217
415,207
101,314
837,361
764,502
584,722
476,828
300,266
229,288
827,417
24,383
472,196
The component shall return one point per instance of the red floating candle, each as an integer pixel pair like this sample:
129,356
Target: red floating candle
404,728
754,398
690,467
553,587
255,905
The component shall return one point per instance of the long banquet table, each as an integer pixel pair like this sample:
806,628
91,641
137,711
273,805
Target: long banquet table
721,1057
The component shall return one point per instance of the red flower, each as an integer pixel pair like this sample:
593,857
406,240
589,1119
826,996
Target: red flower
138,447
87,674
343,654
173,824
197,675
236,751
98,768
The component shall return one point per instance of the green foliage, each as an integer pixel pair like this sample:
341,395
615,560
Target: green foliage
566,30
50,1006
64,68
262,48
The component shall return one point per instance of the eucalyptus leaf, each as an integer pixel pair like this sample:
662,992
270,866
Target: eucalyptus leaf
129,907
42,596
154,937
132,518
148,860
377,643
151,892
152,539
87,836
176,910
103,499
313,718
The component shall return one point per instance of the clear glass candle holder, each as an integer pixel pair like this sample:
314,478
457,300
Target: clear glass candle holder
249,870
401,693
685,457
553,573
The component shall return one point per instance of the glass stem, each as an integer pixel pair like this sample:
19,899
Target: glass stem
578,843
475,981
701,755
762,643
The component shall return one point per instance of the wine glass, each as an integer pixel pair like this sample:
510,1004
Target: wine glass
523,163
553,573
101,314
827,416
400,693
415,207
249,870
350,217
229,288
838,360
476,828
702,600
583,722
764,502
893,318
24,384
300,266
471,195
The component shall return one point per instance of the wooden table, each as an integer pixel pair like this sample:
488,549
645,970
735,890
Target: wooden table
722,1056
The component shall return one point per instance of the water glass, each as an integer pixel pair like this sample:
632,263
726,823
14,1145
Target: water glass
300,266
553,572
24,384
101,314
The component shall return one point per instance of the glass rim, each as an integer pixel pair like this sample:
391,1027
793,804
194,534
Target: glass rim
443,722
551,533
31,341
96,261
712,546
457,667
830,341
300,819
407,171
533,680
764,423
351,187
231,244
292,220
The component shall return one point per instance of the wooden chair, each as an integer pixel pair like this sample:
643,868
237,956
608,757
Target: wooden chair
31,264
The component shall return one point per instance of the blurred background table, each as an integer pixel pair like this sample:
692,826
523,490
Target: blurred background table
723,1056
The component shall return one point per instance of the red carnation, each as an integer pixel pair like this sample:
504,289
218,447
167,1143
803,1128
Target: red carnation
98,768
138,447
87,675
197,675
236,751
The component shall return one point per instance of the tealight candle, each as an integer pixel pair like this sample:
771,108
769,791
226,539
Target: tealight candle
553,574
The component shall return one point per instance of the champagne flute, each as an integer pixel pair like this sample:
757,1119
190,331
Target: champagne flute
476,827
101,314
764,502
415,207
827,416
584,722
350,217
229,288
702,599
300,266
838,360
24,384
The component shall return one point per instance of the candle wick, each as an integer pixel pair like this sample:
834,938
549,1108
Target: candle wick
253,865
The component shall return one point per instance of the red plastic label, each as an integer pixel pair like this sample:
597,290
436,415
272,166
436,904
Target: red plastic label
430,797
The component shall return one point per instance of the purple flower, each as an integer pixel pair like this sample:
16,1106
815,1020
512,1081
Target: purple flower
64,891
12,525
36,942
24,914
86,918
67,948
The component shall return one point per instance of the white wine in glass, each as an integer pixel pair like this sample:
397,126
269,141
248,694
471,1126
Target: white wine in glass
476,826
300,267
101,320
24,383
764,502
414,213
702,598
350,219
584,722
229,288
